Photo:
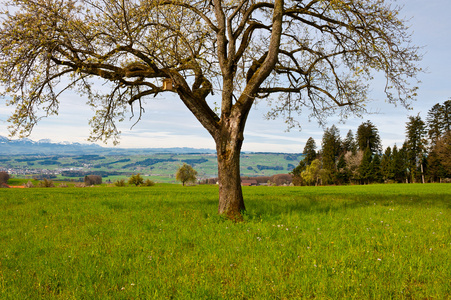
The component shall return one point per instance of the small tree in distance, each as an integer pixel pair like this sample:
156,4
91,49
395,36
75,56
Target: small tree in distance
148,182
186,173
93,180
136,180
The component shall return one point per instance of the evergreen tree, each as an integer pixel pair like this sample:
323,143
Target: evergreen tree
309,156
435,170
443,152
438,121
387,171
349,144
331,149
343,173
368,137
438,128
434,122
310,151
415,146
447,115
365,167
399,164
375,169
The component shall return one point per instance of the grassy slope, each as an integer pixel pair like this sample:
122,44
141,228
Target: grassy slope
379,241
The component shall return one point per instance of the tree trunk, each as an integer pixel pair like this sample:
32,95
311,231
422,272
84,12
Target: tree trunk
228,147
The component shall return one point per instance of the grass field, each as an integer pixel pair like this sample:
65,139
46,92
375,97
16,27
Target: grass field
166,241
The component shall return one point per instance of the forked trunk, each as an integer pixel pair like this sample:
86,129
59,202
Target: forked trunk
228,148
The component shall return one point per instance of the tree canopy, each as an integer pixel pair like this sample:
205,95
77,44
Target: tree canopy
316,54
309,151
368,137
186,173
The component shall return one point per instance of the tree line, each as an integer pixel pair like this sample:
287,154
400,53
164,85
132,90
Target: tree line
425,155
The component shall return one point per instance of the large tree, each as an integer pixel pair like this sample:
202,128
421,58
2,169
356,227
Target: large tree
317,54
309,156
309,151
330,151
415,146
438,121
368,137
349,144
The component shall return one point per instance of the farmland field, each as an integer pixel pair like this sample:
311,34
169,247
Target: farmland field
159,167
167,241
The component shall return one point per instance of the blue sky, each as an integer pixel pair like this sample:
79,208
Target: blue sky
167,123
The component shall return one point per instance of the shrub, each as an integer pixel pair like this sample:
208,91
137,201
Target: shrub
120,183
80,185
46,183
148,182
63,185
281,179
93,180
29,184
136,180
4,177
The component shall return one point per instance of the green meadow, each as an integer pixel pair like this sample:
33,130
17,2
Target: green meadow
167,242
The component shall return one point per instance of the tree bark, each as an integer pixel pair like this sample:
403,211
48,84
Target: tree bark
228,147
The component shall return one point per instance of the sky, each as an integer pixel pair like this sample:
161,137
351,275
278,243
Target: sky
168,123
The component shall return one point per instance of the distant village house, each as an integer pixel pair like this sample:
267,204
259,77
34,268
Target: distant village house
249,182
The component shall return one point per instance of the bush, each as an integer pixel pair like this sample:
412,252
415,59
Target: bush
93,180
136,180
46,183
4,177
120,183
281,179
29,184
148,182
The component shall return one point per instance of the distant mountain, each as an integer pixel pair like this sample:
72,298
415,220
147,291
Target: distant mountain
46,147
